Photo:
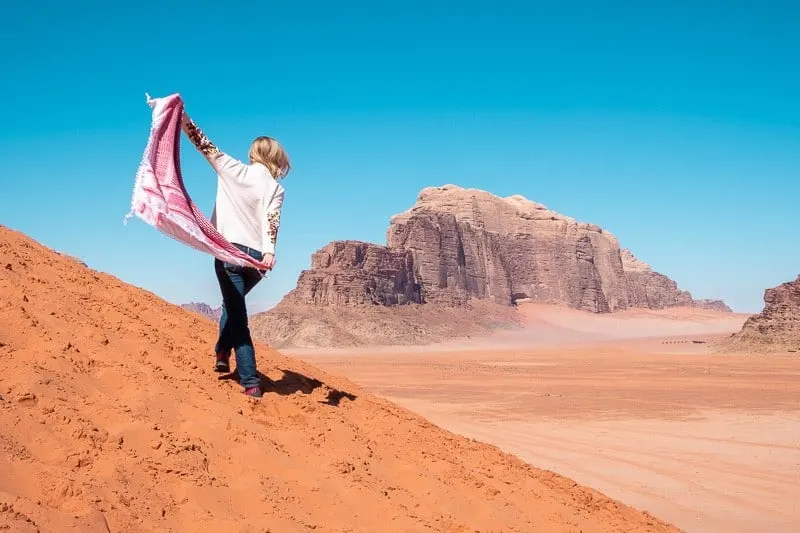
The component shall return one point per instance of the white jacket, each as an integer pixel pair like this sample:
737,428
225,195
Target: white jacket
249,199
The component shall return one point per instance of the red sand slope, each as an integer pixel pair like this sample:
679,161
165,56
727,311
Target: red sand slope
111,420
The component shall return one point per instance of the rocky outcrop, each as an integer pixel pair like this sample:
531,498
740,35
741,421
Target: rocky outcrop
212,313
352,273
471,244
777,327
648,289
457,245
652,290
712,305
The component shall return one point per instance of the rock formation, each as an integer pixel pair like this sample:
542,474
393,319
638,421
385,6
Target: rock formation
651,290
349,273
212,313
713,305
456,245
777,327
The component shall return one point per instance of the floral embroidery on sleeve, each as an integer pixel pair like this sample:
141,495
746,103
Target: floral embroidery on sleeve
274,221
199,138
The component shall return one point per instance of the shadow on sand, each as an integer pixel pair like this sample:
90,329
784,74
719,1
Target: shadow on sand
293,382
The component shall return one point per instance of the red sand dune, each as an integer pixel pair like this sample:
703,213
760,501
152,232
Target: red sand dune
112,421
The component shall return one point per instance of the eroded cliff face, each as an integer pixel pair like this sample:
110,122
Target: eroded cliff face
471,244
777,327
648,289
352,273
455,245
651,290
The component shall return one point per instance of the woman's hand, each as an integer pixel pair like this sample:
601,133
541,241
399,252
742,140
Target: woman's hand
268,261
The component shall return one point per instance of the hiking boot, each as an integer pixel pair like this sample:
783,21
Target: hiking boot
223,363
253,392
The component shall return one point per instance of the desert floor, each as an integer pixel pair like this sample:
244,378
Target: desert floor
628,404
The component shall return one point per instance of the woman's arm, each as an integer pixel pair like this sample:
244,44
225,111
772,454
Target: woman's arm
224,164
271,224
198,137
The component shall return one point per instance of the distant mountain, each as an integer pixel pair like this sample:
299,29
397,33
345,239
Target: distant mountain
212,313
454,248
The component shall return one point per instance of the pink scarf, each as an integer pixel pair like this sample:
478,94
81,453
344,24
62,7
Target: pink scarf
160,197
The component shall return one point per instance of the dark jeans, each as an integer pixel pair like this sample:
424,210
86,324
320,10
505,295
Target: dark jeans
234,333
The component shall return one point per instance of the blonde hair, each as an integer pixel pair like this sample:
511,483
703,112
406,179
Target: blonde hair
270,153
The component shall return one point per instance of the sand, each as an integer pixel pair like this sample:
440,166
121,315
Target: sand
112,420
707,441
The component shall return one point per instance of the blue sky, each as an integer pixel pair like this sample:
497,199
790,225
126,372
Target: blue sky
675,125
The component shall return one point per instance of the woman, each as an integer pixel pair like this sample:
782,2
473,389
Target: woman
247,213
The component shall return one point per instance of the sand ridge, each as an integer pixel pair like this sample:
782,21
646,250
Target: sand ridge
113,421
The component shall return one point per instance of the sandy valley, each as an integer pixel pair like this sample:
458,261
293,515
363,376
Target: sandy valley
639,405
